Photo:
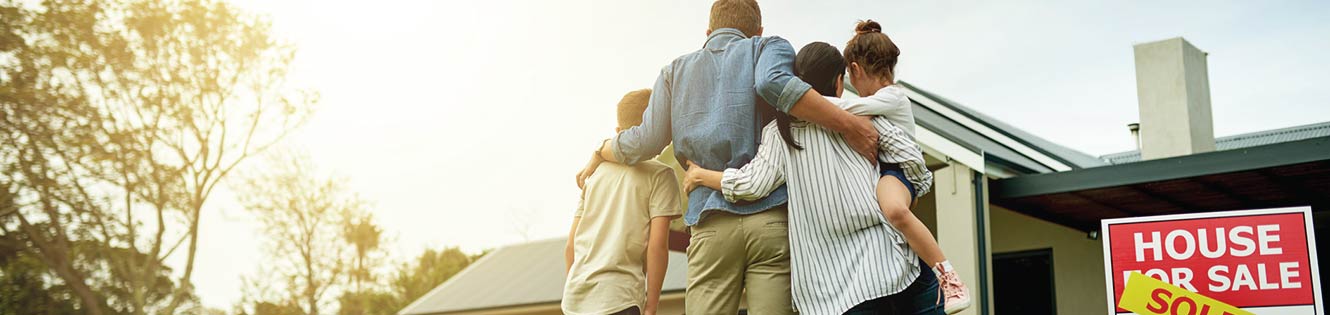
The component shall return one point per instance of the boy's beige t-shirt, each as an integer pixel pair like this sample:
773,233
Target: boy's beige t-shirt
609,245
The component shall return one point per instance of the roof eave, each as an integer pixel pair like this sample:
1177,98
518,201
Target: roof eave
1288,153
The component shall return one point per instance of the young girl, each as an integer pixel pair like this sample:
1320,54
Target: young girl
872,58
834,211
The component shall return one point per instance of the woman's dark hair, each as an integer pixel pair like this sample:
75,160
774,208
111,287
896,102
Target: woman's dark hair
872,50
818,64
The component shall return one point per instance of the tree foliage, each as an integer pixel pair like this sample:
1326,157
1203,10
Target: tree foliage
410,281
24,285
430,269
118,119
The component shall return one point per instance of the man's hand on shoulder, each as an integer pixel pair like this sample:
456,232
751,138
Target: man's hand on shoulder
589,169
858,131
865,138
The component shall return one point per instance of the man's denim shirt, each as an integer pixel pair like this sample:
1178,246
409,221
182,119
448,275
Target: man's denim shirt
707,102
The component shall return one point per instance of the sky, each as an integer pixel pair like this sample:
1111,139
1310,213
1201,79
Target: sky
464,122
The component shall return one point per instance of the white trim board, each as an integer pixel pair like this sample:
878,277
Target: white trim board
987,132
936,145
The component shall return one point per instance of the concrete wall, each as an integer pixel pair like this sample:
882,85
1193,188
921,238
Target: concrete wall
958,229
1078,262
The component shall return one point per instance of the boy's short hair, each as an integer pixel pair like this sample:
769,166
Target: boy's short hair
743,15
819,64
632,106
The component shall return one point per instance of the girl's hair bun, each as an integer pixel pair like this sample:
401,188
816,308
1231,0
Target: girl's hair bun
867,26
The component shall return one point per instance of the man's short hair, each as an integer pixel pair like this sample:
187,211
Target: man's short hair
743,15
632,106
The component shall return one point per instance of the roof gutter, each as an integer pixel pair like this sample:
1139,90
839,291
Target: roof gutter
1217,162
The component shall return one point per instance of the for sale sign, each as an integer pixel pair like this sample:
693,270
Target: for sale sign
1261,261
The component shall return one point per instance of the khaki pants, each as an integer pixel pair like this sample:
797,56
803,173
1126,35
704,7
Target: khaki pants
730,252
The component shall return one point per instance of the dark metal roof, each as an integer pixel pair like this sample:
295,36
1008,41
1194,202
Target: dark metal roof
1284,174
975,142
1074,159
993,151
1242,141
516,275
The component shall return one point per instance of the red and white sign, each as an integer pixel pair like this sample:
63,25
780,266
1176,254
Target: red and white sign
1263,261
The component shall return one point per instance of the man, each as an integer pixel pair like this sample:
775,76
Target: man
712,103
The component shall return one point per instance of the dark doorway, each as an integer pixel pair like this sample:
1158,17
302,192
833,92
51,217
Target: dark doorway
1023,283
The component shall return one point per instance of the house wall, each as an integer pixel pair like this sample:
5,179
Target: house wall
958,228
1078,262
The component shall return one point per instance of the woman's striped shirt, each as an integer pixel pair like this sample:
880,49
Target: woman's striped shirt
843,251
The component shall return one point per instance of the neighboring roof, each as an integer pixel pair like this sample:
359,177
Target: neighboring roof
1242,141
1294,173
517,275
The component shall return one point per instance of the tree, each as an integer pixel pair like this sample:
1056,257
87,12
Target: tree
429,270
364,236
259,299
410,281
363,296
118,119
368,302
24,288
301,214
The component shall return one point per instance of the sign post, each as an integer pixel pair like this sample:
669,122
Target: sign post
1260,261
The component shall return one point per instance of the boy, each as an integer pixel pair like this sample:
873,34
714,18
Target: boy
618,248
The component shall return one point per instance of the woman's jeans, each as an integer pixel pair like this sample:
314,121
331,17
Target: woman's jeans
920,298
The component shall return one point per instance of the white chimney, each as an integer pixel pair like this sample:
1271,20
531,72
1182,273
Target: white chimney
1173,91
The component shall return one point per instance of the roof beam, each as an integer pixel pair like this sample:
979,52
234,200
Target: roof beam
1164,198
1296,187
1211,185
1126,213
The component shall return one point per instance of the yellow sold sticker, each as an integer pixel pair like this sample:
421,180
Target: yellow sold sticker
1149,296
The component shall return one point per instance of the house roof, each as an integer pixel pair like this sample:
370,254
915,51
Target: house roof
1292,173
1071,157
1273,168
516,275
1245,140
1000,143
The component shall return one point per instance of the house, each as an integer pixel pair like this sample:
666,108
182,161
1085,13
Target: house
1016,214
